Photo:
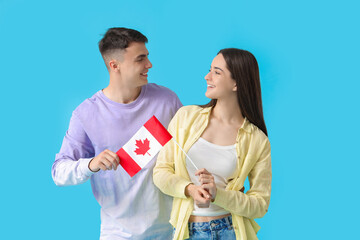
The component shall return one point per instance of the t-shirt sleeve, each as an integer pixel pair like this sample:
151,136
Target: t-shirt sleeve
71,163
174,99
178,103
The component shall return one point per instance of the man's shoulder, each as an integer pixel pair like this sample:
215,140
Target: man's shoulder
160,91
88,105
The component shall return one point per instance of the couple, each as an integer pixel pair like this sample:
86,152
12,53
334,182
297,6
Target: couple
225,139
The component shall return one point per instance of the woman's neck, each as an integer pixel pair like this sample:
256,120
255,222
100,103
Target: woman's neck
228,112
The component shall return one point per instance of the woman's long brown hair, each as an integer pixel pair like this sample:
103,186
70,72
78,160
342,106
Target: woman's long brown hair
244,70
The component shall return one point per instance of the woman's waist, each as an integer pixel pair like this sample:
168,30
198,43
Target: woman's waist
194,218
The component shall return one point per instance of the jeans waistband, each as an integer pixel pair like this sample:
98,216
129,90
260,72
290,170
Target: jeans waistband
216,224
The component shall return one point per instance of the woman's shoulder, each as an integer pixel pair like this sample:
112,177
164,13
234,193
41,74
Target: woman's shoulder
190,110
188,115
259,138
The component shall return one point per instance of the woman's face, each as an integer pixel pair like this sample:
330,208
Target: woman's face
219,82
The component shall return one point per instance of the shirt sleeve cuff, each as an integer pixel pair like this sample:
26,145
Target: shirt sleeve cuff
181,188
84,166
220,198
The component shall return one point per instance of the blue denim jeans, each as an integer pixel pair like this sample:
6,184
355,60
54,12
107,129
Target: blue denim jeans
218,229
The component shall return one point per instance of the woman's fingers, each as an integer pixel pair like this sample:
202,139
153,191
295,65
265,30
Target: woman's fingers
211,189
202,198
205,178
201,171
205,194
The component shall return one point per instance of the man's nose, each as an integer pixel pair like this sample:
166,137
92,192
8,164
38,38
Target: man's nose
148,64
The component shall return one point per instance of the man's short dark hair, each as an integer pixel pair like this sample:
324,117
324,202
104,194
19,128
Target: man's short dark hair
119,38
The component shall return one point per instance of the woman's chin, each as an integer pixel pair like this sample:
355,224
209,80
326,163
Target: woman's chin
209,95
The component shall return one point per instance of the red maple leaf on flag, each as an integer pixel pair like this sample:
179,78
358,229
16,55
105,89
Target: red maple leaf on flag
143,147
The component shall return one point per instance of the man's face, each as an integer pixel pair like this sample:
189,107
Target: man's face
135,65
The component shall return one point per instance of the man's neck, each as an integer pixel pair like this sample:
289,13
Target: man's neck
121,94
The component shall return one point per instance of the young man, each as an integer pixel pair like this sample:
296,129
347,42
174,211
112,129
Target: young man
131,207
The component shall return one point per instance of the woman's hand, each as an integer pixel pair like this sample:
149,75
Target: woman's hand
201,197
207,182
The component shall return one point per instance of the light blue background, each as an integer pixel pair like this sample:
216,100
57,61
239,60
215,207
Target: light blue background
308,53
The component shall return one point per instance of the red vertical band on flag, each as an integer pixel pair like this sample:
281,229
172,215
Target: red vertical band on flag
156,129
129,165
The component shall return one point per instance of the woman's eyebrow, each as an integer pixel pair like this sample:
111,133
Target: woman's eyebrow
219,68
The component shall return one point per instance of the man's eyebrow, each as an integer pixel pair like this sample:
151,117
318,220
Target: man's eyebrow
142,56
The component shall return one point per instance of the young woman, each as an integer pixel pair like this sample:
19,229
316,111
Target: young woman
227,141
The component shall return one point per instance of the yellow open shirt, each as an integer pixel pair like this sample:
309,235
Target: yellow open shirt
254,162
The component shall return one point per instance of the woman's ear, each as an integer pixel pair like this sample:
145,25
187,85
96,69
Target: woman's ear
234,88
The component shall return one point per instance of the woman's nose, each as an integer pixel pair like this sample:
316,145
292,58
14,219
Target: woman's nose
208,76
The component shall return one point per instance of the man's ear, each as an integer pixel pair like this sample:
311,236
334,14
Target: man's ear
114,66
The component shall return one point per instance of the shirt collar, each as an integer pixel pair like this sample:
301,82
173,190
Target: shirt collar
246,126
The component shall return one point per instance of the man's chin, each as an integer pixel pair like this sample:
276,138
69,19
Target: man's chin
143,82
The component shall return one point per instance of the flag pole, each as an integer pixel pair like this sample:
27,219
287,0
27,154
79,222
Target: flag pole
186,155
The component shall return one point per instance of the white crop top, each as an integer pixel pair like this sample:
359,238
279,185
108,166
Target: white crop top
220,161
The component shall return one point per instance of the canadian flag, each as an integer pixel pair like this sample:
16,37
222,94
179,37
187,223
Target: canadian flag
143,146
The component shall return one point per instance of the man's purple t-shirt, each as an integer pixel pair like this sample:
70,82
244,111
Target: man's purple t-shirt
131,208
